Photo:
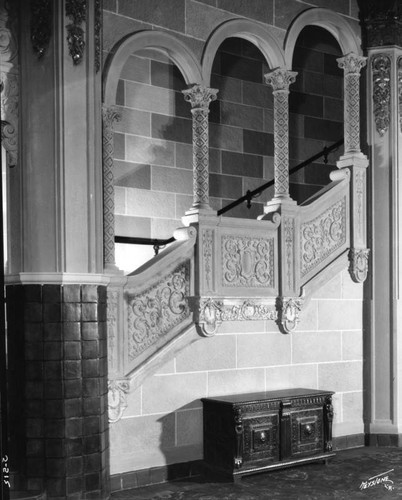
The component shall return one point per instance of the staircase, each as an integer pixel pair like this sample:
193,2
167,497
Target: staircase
227,269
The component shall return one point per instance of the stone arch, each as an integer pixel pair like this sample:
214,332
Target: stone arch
249,30
339,28
165,43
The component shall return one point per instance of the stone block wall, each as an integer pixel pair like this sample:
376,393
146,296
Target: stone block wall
153,144
163,421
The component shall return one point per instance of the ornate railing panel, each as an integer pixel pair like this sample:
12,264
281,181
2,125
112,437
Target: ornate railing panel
147,311
324,228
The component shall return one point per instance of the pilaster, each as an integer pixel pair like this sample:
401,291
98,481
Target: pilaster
384,415
56,292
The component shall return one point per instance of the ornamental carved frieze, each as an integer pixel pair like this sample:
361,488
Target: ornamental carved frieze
76,11
322,236
359,263
212,312
289,313
247,262
158,309
381,68
41,25
289,233
117,398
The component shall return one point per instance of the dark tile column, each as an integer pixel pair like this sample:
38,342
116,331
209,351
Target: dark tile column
64,428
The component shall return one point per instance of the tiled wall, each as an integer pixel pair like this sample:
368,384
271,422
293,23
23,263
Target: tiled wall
57,353
163,421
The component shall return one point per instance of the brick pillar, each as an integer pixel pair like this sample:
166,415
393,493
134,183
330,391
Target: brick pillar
63,434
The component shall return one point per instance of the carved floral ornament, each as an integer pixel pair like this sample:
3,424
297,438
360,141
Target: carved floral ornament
199,96
280,79
76,11
381,67
212,312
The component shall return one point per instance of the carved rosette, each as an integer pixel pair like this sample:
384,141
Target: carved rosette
212,312
41,25
289,315
117,398
322,236
155,311
352,65
381,67
110,116
359,264
279,80
76,11
200,97
247,262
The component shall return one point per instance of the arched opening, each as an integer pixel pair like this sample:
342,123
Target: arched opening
144,78
152,154
241,127
316,109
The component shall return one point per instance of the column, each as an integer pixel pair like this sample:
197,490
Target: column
280,79
383,382
200,98
351,65
56,290
109,116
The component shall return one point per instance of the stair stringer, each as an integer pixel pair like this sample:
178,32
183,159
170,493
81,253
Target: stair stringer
149,319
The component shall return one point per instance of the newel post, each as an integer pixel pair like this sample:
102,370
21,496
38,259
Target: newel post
200,97
357,163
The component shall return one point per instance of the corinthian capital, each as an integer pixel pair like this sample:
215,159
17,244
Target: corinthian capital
280,78
352,63
200,96
110,115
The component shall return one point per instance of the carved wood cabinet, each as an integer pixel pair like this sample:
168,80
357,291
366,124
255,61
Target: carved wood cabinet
249,433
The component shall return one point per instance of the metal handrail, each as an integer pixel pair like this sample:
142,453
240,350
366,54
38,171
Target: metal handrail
161,243
134,240
252,194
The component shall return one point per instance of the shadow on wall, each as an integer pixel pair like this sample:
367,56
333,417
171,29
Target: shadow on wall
181,440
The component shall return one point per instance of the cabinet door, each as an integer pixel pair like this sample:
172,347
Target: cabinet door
261,438
307,436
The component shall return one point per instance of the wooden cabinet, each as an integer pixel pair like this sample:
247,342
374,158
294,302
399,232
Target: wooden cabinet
249,433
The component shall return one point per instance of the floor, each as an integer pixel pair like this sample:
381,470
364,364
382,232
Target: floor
358,473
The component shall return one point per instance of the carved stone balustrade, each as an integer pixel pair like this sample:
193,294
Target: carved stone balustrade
236,271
